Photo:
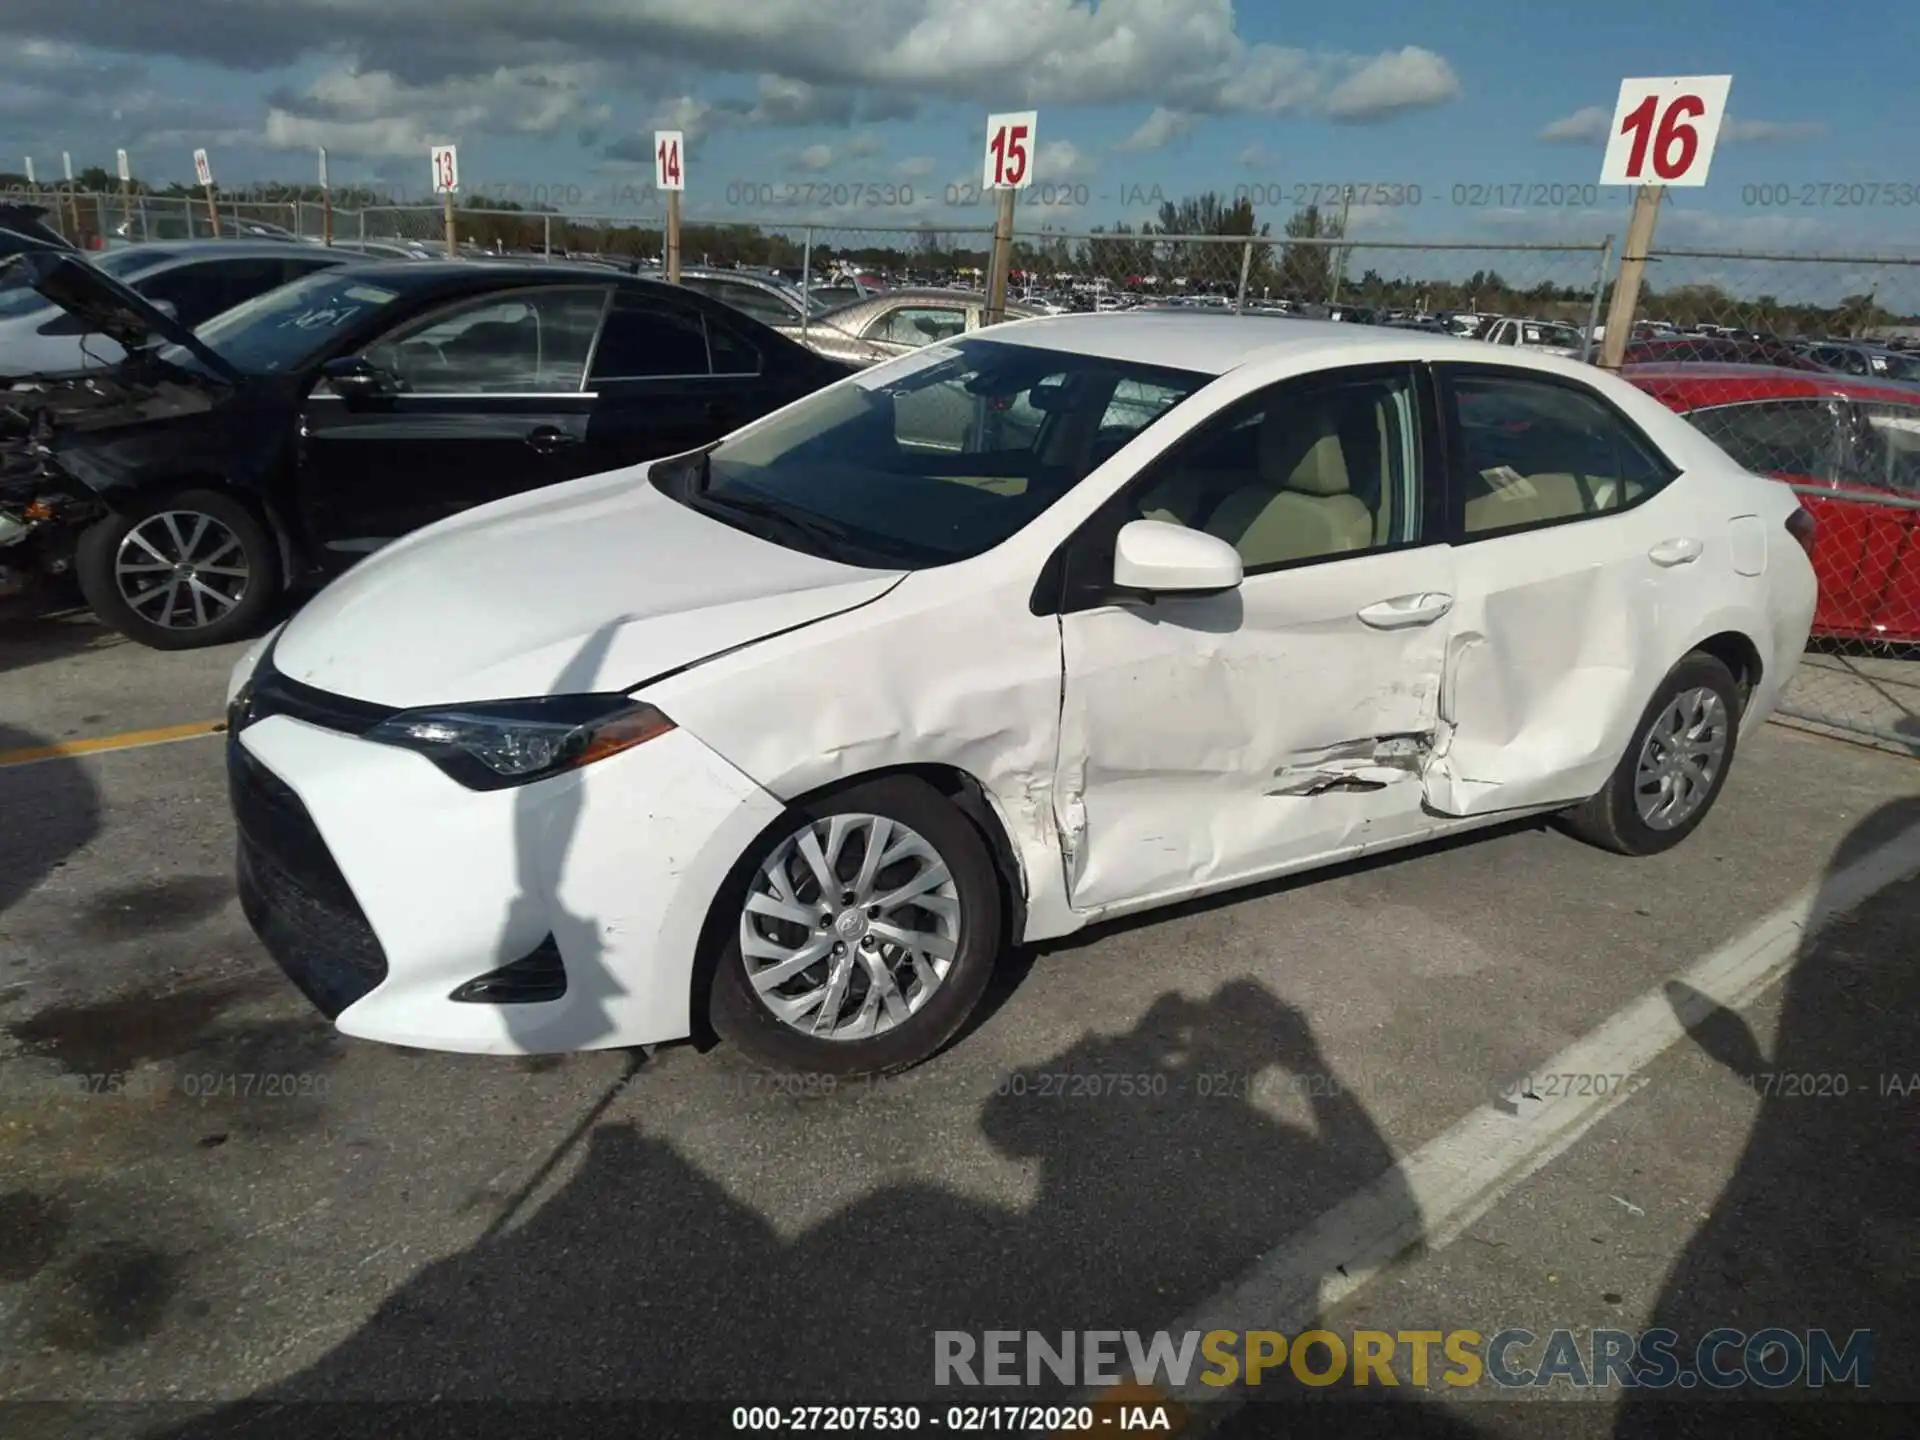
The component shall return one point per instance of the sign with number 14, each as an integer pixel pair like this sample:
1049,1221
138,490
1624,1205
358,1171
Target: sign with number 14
1664,130
669,160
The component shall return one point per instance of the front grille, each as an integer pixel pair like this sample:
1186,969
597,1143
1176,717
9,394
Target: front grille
293,893
268,692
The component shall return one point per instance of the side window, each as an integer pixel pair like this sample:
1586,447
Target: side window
918,325
645,340
1304,471
1886,454
533,341
1531,452
196,292
753,302
732,353
1798,439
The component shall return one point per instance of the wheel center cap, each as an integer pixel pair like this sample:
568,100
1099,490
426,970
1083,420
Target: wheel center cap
850,925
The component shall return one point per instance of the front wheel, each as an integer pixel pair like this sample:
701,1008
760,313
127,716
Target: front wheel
1675,765
180,571
864,935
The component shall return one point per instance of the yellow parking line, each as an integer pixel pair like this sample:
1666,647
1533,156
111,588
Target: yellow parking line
99,744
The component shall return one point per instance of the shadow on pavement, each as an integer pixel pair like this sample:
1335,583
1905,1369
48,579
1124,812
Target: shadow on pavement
51,811
644,1278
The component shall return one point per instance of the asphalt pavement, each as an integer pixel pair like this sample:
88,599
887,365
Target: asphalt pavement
207,1197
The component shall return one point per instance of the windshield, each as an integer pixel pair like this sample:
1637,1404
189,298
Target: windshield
1896,367
281,330
933,458
1552,335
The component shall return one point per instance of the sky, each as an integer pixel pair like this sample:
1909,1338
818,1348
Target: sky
1460,119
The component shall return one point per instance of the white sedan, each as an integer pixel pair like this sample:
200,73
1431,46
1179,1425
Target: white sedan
795,736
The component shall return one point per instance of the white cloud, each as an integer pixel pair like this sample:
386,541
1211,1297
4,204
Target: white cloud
814,157
1591,125
1407,79
1257,157
1585,126
916,167
1158,130
1769,132
375,113
1060,161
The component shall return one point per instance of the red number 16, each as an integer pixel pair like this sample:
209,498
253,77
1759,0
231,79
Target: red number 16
1674,131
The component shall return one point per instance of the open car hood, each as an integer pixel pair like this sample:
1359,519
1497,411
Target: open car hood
104,305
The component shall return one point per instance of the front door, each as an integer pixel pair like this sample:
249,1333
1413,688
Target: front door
1207,741
488,400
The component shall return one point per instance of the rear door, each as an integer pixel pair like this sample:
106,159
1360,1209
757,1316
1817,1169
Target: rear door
1881,469
490,401
1580,562
670,376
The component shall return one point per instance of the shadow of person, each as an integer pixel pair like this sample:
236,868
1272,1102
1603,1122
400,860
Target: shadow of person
1819,1225
643,1278
52,811
546,822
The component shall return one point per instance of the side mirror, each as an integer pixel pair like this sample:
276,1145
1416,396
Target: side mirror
1155,557
353,377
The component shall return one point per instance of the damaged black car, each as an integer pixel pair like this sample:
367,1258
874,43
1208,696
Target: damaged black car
191,485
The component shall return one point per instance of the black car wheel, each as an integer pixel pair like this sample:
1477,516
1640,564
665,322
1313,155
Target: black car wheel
863,934
180,571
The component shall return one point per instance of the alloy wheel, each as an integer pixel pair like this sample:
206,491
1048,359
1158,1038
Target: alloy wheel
850,926
181,569
1681,758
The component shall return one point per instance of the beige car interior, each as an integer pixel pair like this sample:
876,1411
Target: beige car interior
1315,461
1551,484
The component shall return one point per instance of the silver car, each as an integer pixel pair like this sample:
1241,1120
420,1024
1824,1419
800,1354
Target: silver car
1871,362
895,322
193,281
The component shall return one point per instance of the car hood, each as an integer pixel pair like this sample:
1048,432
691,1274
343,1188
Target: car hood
594,585
105,306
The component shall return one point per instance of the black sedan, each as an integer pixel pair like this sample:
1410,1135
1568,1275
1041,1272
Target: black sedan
201,476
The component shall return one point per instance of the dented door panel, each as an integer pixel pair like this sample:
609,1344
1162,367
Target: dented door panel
1216,739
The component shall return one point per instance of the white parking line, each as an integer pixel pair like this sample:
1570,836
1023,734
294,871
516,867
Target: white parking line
1437,1192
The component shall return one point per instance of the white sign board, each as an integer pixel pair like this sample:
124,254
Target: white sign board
323,167
1010,142
30,179
66,163
446,169
669,160
202,168
124,165
1664,130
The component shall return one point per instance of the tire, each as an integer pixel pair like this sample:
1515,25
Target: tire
973,934
1613,819
136,601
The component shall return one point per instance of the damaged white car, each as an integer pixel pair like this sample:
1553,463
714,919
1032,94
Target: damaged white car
794,736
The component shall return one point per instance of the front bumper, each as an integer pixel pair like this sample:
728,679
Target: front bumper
382,887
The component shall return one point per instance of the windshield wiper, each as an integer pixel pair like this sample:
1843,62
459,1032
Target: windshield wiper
810,527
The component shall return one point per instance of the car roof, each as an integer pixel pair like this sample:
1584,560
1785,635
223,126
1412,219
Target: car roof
1695,387
165,251
1212,343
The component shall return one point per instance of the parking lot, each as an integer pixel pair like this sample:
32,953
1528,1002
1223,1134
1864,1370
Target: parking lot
210,1197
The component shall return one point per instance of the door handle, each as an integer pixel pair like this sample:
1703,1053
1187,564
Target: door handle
549,438
1406,610
1669,553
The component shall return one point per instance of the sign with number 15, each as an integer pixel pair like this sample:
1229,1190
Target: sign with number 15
1010,141
1664,130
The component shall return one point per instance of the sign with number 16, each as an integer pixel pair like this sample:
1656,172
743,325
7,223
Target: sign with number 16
1664,130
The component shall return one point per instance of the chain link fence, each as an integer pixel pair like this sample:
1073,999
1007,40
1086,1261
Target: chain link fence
1854,460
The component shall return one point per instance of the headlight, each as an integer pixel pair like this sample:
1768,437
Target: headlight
512,742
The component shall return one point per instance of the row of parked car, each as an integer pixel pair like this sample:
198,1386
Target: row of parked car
192,429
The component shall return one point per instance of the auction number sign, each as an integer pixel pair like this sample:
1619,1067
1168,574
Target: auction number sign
446,169
1664,130
669,160
202,167
1010,141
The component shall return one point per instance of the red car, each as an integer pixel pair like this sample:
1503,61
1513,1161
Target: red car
1858,442
1715,350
